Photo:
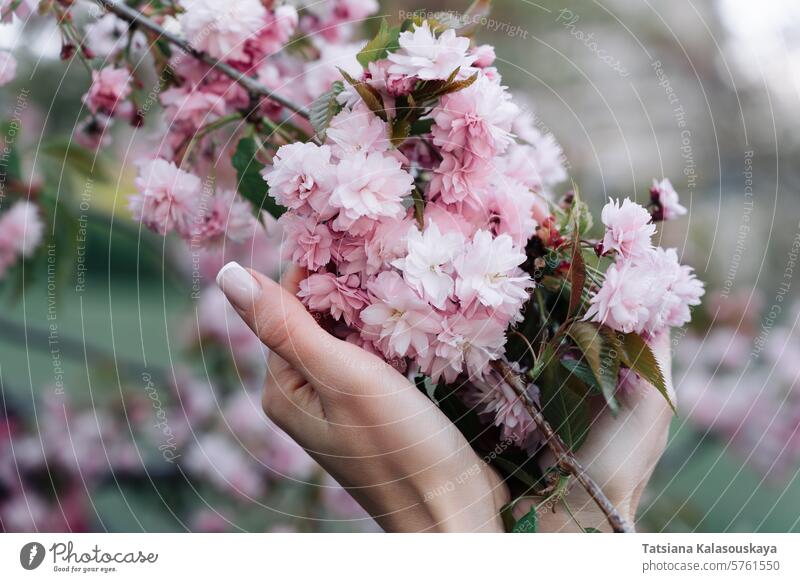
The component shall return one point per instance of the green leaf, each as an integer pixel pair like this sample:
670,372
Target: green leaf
512,469
76,158
324,108
637,355
421,126
527,523
251,184
565,405
591,530
368,94
386,41
600,351
583,372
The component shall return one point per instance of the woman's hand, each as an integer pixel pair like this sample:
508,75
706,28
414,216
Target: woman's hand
620,453
396,453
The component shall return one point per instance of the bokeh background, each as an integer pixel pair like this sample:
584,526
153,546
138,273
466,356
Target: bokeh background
114,356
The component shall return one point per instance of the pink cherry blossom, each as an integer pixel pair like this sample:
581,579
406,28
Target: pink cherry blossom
93,132
358,130
484,56
629,229
464,344
221,29
302,178
369,185
508,208
404,321
476,120
319,74
539,166
350,253
225,465
226,216
666,199
279,26
462,179
189,109
622,302
424,55
8,68
167,197
339,296
428,266
496,400
110,87
387,242
488,273
107,36
21,229
394,85
307,243
675,287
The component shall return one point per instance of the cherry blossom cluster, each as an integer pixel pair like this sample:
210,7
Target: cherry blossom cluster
646,290
434,288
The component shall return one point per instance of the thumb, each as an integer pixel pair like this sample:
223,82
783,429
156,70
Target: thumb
280,320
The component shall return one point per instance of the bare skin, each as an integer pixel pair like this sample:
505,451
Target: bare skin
394,450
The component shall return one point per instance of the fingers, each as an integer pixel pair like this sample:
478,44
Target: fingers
279,319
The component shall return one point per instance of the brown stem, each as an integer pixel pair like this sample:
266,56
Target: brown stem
564,457
253,87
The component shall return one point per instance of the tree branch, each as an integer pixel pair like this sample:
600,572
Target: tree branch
136,18
564,457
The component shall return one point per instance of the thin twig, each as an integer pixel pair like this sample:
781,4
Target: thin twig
564,457
252,86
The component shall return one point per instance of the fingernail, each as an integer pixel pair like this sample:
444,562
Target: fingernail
239,286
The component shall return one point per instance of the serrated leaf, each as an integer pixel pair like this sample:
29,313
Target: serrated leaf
528,523
368,94
455,86
384,42
324,108
600,352
250,183
637,355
